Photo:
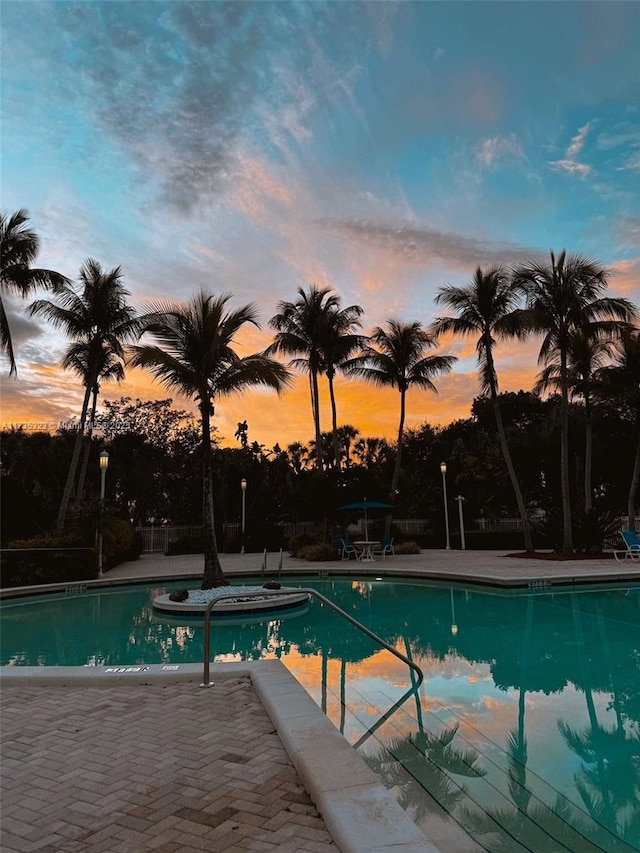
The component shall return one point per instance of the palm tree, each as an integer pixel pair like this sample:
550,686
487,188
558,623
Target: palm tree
18,250
426,761
562,297
622,380
194,355
484,308
339,344
585,356
99,321
301,328
346,435
111,367
297,456
400,362
371,452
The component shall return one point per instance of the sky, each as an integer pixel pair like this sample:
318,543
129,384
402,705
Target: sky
380,149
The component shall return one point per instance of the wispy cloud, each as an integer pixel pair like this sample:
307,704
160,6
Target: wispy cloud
577,143
422,244
569,163
494,150
625,278
632,164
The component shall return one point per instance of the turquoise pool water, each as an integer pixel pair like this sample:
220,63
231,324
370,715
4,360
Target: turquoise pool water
526,729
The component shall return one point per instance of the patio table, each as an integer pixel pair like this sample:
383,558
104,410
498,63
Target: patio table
367,546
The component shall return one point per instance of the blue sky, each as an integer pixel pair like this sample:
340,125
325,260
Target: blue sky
383,149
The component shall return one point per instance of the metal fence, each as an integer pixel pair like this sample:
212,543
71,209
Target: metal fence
156,538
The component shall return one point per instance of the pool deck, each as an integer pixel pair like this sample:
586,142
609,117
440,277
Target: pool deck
495,568
130,759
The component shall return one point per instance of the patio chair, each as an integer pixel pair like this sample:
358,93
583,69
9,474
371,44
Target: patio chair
348,548
632,550
384,547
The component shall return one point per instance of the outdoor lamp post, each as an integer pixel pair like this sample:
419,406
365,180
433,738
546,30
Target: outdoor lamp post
243,487
443,471
104,464
460,500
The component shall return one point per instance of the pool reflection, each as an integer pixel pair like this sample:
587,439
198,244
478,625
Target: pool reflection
530,706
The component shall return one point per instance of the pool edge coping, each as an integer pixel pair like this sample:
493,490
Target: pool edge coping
358,811
530,582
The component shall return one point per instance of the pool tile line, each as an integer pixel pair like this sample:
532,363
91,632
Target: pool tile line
359,813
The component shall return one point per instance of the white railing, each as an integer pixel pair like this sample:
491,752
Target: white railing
498,523
157,538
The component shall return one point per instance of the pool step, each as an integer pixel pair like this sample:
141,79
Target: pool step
509,804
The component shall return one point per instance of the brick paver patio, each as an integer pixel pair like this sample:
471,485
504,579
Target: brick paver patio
157,767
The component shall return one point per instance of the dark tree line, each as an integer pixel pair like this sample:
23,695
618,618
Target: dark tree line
155,469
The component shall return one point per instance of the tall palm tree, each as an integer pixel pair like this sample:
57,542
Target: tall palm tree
194,355
484,309
111,367
340,342
97,317
622,380
18,250
400,361
301,328
563,296
585,356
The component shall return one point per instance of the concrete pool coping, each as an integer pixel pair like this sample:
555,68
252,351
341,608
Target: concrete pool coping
495,569
359,813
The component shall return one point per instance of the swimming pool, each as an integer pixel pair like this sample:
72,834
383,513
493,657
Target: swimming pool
526,729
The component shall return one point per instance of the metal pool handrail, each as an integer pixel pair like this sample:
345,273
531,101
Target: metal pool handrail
269,593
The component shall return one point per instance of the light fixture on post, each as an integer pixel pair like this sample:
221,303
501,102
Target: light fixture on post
243,487
460,500
104,464
152,520
443,471
454,627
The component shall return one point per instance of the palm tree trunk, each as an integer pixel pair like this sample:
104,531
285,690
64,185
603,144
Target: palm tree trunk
334,422
397,467
522,509
506,453
213,574
567,534
633,488
325,674
585,676
588,454
315,406
73,467
87,444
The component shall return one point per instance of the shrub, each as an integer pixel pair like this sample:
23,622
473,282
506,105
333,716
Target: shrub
119,542
407,548
319,552
186,545
70,557
46,563
301,540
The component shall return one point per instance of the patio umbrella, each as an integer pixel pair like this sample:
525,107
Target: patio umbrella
366,505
